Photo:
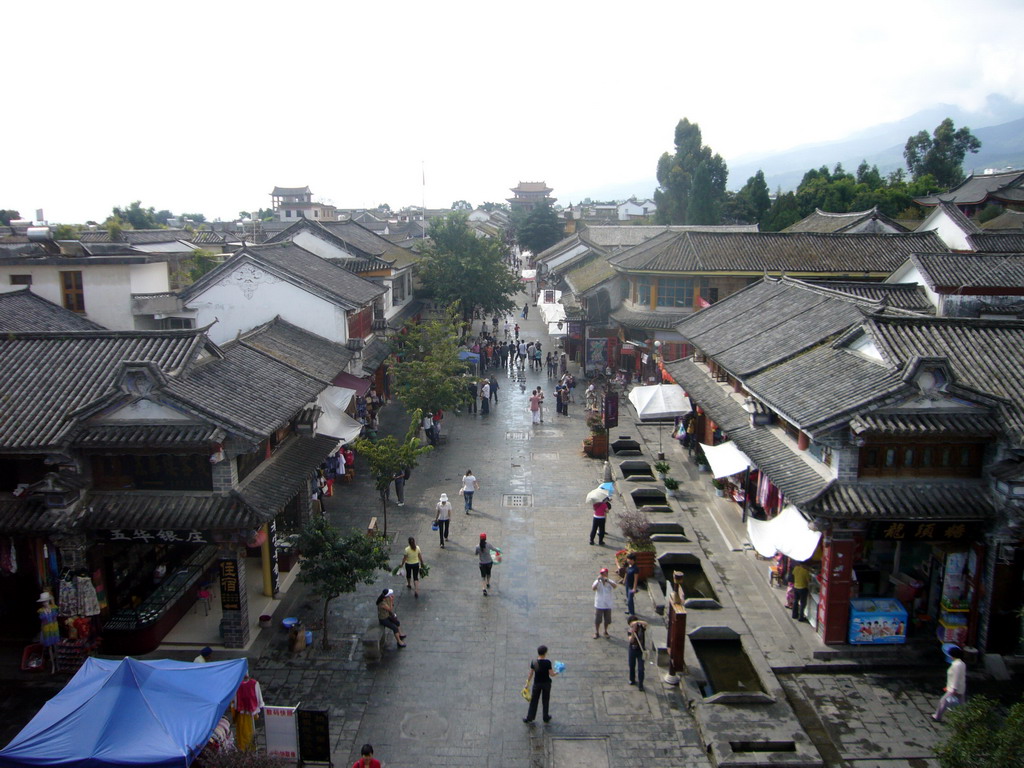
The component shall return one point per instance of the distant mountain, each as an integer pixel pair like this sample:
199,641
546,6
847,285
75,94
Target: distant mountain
1002,145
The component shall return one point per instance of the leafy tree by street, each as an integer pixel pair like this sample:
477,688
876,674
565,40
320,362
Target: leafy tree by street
981,735
940,155
389,456
691,182
334,563
426,367
458,267
7,215
539,229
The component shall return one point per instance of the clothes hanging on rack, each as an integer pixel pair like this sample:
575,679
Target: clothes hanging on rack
67,597
88,603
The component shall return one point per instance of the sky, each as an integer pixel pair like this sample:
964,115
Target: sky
203,107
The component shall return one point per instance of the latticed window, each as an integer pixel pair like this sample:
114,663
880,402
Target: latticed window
675,292
643,291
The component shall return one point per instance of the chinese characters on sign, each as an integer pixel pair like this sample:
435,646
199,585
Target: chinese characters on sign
230,594
922,531
165,536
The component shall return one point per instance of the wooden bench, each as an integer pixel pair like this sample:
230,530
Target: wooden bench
371,529
373,641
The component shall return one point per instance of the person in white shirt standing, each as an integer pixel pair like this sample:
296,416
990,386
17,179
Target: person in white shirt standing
443,517
604,601
956,684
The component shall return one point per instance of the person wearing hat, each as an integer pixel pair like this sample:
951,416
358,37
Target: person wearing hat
443,517
483,551
604,601
204,656
387,617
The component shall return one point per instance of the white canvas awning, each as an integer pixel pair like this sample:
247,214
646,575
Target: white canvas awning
551,312
529,274
726,459
554,330
333,421
659,401
787,533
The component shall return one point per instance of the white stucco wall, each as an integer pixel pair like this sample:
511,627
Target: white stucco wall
250,296
950,233
107,288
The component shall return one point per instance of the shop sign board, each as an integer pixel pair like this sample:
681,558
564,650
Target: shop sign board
923,530
282,737
230,589
611,410
314,736
167,535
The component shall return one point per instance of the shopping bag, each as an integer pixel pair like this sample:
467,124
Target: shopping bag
424,570
396,570
525,693
497,557
434,526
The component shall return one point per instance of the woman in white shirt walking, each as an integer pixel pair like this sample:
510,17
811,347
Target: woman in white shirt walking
469,487
443,518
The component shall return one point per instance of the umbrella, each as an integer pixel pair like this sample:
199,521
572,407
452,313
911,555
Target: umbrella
660,401
598,494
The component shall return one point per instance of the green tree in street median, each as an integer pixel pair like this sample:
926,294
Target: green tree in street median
691,182
539,229
426,367
979,735
459,267
942,154
334,563
389,456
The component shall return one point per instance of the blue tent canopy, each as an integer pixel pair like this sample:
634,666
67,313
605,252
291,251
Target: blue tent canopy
128,712
465,354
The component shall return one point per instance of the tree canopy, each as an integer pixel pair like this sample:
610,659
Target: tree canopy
428,372
135,216
981,734
539,229
8,215
461,205
751,203
389,456
691,182
333,564
940,155
458,267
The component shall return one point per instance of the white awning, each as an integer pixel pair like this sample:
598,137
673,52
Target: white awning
787,533
554,330
333,421
551,312
726,459
659,401
529,274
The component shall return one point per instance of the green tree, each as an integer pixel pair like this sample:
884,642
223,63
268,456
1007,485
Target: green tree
691,183
65,232
135,216
428,372
202,262
539,229
8,215
980,735
162,217
457,267
389,456
198,218
461,205
784,211
334,564
488,206
869,175
752,202
941,154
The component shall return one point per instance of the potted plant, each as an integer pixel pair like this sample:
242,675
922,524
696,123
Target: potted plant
671,485
719,486
636,527
661,467
596,446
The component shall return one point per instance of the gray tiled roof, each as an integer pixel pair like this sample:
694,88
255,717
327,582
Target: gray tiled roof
788,470
290,191
312,354
411,308
290,262
770,321
997,242
207,237
937,500
273,484
171,510
46,376
149,236
924,424
825,221
1007,220
375,353
971,270
973,190
247,392
26,311
661,321
985,355
909,296
798,253
144,435
30,515
369,242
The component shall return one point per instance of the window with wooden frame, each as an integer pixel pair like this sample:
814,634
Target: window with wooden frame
921,460
72,293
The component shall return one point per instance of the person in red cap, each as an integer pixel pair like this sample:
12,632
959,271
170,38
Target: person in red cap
483,551
604,601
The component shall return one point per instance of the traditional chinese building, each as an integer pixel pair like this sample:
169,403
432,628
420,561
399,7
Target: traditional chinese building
528,195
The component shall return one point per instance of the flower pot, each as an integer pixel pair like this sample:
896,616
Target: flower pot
720,493
645,562
265,621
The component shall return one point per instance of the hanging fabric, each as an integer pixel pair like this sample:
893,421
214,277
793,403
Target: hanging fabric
88,603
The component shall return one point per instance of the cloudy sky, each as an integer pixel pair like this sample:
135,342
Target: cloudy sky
205,106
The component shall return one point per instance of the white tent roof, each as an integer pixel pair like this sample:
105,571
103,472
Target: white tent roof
726,459
334,422
659,401
787,533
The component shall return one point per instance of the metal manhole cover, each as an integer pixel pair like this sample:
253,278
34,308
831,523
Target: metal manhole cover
517,435
424,725
517,500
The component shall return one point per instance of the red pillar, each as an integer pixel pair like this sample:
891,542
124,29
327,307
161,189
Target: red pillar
836,580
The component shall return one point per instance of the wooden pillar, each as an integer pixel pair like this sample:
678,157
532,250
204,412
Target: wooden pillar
836,582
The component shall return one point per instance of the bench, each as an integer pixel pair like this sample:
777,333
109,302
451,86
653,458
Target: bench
373,641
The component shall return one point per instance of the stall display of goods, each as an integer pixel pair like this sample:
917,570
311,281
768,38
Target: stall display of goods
877,621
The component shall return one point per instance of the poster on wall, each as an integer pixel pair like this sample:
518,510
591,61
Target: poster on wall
597,354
